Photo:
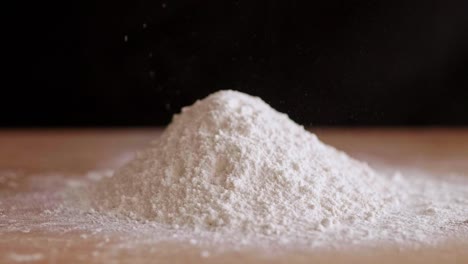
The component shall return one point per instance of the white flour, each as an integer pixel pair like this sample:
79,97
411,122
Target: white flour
26,257
231,172
232,162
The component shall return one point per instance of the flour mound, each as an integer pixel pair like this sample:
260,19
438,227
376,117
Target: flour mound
231,162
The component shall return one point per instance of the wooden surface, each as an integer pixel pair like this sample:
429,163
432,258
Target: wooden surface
67,152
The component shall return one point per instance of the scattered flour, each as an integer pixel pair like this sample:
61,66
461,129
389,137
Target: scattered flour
26,257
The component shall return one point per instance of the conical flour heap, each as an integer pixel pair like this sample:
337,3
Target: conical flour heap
231,162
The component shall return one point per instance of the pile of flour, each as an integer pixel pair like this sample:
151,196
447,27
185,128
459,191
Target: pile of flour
231,173
232,163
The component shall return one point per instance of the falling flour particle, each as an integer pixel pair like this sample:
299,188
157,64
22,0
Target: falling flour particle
232,163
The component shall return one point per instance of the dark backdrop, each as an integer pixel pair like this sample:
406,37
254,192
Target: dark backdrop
112,63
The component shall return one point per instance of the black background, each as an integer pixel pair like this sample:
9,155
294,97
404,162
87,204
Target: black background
322,62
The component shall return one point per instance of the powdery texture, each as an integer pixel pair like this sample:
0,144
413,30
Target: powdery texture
230,162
